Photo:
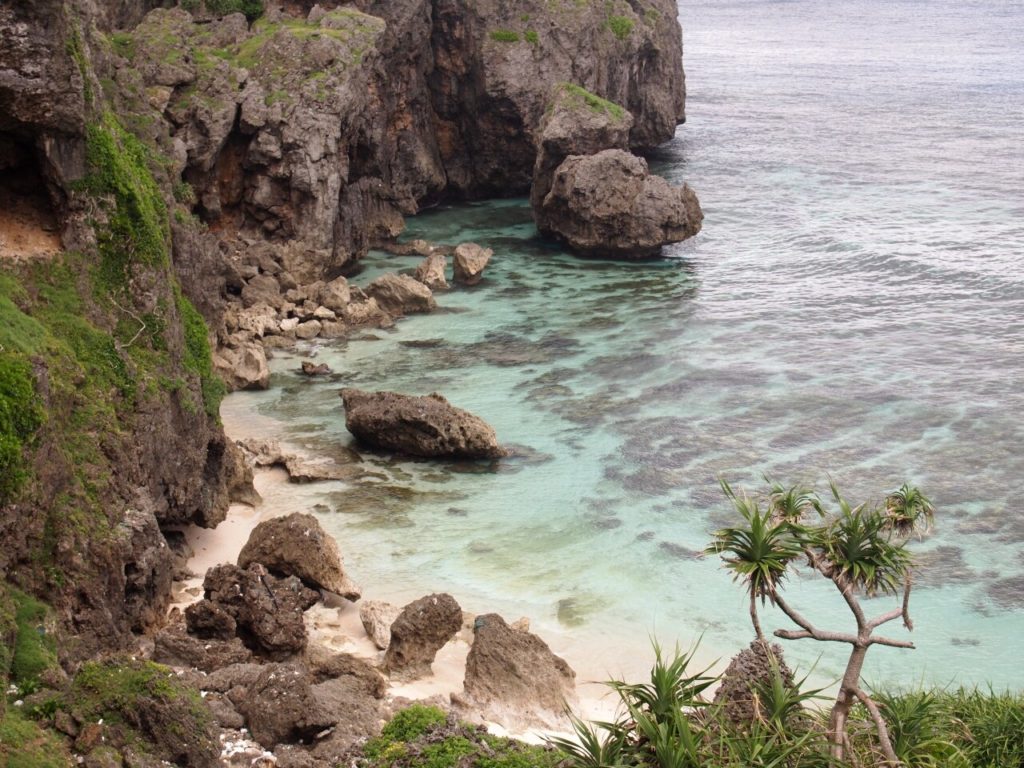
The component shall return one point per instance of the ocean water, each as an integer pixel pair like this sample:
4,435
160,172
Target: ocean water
854,308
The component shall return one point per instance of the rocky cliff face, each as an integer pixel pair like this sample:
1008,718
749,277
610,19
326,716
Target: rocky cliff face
108,407
144,151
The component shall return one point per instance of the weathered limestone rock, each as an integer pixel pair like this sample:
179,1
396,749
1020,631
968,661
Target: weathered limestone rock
335,295
401,295
430,272
377,617
175,647
262,289
470,260
513,677
281,708
207,620
419,632
297,545
608,205
577,123
427,426
366,311
310,368
243,367
267,610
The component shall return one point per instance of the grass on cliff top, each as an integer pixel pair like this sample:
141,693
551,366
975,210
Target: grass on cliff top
424,737
358,31
26,744
578,96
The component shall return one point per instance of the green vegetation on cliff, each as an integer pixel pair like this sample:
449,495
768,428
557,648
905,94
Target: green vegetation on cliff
424,737
578,96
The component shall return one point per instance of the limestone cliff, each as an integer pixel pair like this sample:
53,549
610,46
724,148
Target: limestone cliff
143,148
108,407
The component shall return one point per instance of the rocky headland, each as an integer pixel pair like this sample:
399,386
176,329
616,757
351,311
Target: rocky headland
188,188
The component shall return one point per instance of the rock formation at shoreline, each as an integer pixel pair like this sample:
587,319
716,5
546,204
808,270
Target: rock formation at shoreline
427,426
592,194
204,183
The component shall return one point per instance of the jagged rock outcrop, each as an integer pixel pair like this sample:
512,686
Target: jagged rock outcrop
514,678
267,610
420,631
297,545
470,260
430,271
426,426
610,205
577,123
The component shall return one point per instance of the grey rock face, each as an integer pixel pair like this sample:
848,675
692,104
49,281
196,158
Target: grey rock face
430,272
609,205
427,426
297,545
280,706
419,632
513,676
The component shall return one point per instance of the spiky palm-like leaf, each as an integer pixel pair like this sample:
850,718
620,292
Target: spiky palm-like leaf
859,553
792,503
909,511
672,685
760,552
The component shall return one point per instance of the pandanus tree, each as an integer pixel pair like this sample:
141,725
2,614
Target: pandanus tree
860,549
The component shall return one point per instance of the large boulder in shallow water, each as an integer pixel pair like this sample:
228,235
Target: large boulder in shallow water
514,678
470,260
401,294
297,545
576,123
608,205
419,632
427,426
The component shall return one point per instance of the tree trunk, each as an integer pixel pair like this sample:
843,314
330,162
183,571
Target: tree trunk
847,696
755,620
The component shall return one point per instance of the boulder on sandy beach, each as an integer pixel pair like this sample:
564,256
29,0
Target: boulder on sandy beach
420,631
297,545
427,426
268,611
512,677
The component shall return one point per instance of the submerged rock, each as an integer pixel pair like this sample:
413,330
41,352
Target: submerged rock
609,205
313,369
427,426
419,632
297,545
514,678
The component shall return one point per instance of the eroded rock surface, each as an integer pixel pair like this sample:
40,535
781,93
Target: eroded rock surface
513,677
297,545
419,632
610,205
377,617
470,261
268,611
426,426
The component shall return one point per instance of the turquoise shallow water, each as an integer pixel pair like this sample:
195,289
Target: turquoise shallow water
855,306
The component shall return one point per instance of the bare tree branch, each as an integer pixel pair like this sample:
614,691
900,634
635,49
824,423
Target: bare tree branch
809,629
890,642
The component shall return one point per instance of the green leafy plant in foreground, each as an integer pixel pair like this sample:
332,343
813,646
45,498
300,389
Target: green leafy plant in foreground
860,549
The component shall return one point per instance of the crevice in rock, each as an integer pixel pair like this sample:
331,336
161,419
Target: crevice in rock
29,225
